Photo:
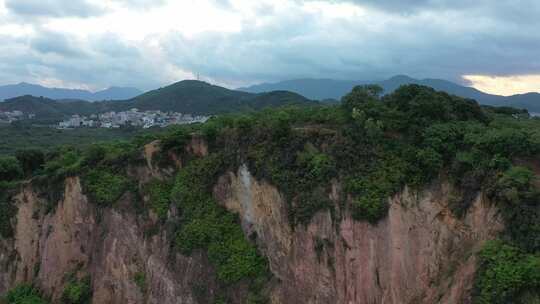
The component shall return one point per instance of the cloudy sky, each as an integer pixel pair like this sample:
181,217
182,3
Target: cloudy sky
93,44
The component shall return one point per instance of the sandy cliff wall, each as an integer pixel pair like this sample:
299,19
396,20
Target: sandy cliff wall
420,253
109,245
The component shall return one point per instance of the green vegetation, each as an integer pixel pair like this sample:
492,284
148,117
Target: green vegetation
7,210
77,291
48,110
10,172
31,160
104,187
24,294
206,225
159,193
506,274
10,169
29,137
198,97
187,96
376,145
140,281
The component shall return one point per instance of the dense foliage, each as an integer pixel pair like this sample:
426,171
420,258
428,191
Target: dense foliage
104,187
10,172
26,136
24,294
159,193
507,275
77,291
10,169
206,225
376,145
7,209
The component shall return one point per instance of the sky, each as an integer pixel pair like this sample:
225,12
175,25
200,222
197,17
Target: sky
93,44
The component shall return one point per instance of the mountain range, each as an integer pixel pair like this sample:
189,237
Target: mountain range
21,89
321,89
188,96
197,97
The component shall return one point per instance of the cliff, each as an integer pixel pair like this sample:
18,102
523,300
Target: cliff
419,253
415,197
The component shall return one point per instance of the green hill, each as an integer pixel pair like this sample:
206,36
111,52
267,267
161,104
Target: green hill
197,97
48,109
189,96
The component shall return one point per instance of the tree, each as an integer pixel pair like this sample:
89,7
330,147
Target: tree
360,95
30,160
10,169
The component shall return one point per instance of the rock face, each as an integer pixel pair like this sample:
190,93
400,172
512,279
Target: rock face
420,253
109,245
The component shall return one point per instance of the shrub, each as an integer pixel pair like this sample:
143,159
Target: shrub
510,185
10,169
518,199
175,139
7,210
103,187
65,162
159,193
505,272
207,226
24,294
30,160
77,291
140,281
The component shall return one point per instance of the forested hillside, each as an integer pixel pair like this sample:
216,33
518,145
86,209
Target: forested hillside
189,97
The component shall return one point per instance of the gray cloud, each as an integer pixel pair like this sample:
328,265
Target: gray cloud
140,4
423,38
54,43
445,46
52,8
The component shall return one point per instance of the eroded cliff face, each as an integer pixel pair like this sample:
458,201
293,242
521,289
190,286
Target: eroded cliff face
110,245
420,253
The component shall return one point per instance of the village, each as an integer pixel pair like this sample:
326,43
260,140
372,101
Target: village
9,117
133,117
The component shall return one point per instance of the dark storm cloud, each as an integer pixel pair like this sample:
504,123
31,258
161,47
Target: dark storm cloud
444,45
422,38
52,8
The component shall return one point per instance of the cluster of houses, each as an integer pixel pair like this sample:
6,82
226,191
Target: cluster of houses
133,117
9,117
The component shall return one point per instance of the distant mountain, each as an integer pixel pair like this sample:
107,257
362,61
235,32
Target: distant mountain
193,97
320,89
116,93
21,89
197,97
